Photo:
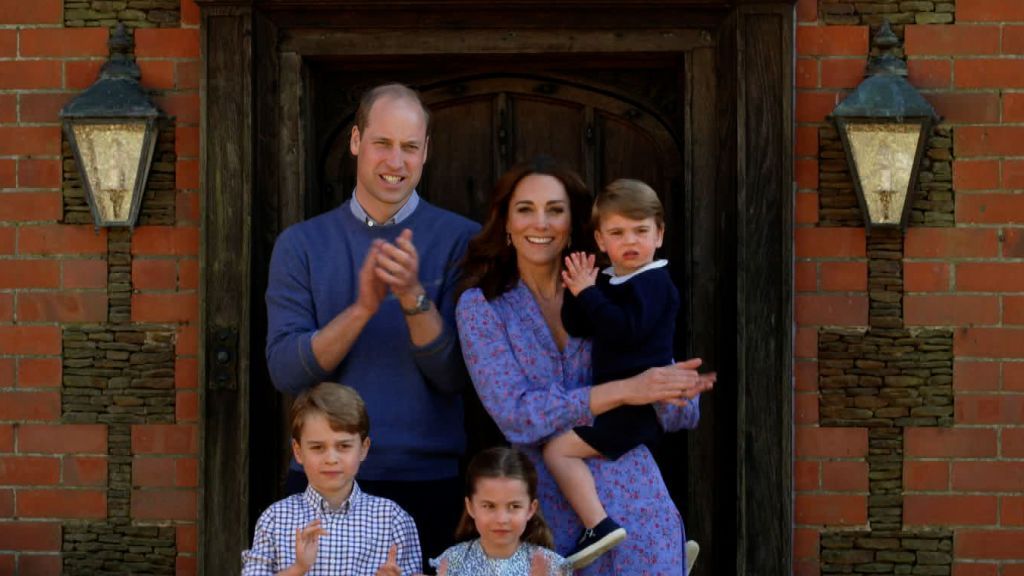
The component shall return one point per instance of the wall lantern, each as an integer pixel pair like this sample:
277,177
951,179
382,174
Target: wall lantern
112,131
884,125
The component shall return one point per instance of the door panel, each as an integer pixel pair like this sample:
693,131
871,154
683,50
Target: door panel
460,166
547,126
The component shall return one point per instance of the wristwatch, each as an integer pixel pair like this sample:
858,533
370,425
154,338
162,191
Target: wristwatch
421,306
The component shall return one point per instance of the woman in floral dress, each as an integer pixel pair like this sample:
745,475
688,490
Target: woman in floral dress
534,379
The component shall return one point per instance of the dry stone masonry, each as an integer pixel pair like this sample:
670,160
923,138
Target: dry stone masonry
898,12
133,13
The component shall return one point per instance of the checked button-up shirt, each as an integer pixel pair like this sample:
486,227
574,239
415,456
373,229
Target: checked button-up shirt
359,534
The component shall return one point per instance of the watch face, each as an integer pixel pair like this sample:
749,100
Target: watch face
422,305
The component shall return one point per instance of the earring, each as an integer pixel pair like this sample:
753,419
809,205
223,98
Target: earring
508,239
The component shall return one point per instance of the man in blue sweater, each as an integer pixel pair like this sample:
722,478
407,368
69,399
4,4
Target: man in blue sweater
362,295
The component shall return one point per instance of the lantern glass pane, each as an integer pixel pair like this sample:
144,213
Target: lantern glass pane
110,156
884,154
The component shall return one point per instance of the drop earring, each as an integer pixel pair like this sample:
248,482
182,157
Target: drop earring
508,239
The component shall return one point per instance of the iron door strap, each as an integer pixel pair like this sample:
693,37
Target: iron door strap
222,357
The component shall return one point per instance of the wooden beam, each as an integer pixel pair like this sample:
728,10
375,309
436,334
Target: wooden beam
226,157
764,229
353,43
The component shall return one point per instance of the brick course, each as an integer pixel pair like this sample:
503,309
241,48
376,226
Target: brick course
76,372
942,492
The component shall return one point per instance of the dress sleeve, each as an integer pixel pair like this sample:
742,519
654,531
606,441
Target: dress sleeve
263,559
528,411
291,320
410,558
674,417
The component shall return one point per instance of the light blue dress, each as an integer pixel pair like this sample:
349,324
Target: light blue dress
469,559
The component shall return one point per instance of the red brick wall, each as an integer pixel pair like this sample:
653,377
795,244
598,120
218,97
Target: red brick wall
53,274
969,277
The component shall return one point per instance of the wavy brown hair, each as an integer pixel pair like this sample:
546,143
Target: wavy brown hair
341,405
490,263
504,462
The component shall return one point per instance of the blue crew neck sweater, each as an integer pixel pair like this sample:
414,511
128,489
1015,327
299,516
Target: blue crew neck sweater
412,393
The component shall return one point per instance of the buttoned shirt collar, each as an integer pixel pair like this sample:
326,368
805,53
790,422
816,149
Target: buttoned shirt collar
320,504
404,212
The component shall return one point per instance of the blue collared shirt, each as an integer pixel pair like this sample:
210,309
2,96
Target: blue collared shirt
404,212
359,534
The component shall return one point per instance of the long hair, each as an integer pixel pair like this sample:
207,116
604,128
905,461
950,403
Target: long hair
504,462
490,262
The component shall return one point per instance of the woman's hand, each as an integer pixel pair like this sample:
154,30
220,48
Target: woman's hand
676,384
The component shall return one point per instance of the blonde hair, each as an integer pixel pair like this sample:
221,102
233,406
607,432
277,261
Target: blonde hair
340,404
502,462
630,198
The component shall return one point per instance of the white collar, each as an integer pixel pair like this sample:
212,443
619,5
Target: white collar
616,280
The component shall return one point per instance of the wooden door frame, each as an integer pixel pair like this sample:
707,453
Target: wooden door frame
739,149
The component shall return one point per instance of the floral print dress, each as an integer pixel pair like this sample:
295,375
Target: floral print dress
535,391
469,559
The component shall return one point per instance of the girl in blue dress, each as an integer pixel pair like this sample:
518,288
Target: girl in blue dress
502,532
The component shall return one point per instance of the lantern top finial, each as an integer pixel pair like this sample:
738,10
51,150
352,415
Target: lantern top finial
886,61
117,92
885,91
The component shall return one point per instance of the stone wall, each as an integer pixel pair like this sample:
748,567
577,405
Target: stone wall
898,12
133,13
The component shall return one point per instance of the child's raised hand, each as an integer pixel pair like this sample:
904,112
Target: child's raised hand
539,564
390,566
307,542
579,272
442,570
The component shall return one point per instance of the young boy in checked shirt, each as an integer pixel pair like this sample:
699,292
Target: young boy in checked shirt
333,527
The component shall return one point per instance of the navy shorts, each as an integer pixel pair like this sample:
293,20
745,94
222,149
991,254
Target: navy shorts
620,430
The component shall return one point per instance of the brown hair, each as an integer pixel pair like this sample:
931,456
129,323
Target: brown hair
503,462
395,91
490,263
630,198
342,405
